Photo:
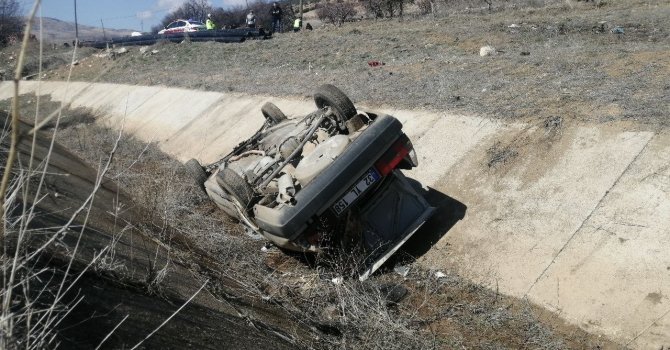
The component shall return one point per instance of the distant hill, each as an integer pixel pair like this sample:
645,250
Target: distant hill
61,31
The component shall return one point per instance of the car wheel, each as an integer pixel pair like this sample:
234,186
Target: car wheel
272,113
329,96
197,172
238,188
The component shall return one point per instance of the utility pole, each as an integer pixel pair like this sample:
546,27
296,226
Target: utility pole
103,30
76,26
300,9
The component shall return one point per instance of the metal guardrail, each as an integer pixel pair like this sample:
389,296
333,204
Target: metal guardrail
223,35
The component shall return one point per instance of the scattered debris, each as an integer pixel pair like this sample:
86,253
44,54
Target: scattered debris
553,124
402,270
600,27
337,280
439,274
120,51
376,63
617,30
513,25
144,50
487,51
29,77
252,234
525,53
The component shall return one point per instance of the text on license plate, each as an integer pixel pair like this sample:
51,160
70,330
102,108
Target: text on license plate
363,184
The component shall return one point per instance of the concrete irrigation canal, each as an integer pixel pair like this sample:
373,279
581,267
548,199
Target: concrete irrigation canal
571,215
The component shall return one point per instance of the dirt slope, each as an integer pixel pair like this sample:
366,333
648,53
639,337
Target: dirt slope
560,60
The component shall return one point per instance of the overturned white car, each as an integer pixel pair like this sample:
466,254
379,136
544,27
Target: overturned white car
329,180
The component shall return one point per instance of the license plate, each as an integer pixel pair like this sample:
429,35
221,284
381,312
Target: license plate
363,184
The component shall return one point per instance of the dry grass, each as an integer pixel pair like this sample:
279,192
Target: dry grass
572,72
444,312
557,62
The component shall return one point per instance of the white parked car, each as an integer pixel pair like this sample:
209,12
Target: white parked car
182,26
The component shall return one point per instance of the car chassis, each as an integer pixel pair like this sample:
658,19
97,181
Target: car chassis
328,180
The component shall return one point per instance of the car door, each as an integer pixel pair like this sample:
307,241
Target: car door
174,27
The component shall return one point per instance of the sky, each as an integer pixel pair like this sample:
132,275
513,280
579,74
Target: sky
138,15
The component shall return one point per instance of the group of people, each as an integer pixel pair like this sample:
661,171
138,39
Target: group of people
275,13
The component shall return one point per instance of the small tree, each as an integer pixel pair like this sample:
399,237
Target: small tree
336,13
375,8
384,8
11,24
425,6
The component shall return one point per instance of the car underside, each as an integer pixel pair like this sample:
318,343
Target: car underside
328,181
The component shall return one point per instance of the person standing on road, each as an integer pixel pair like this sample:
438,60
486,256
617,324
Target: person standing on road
251,19
275,12
297,24
209,24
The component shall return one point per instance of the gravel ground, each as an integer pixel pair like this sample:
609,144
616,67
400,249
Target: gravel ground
555,61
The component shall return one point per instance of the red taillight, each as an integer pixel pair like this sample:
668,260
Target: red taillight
390,160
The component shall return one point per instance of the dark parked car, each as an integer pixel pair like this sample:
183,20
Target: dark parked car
329,180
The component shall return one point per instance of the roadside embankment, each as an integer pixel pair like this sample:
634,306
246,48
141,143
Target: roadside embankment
571,215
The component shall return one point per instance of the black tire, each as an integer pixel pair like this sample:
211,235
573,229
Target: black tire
197,172
329,96
238,188
272,113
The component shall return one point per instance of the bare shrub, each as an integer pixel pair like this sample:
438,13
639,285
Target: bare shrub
374,8
10,22
336,12
425,6
384,8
